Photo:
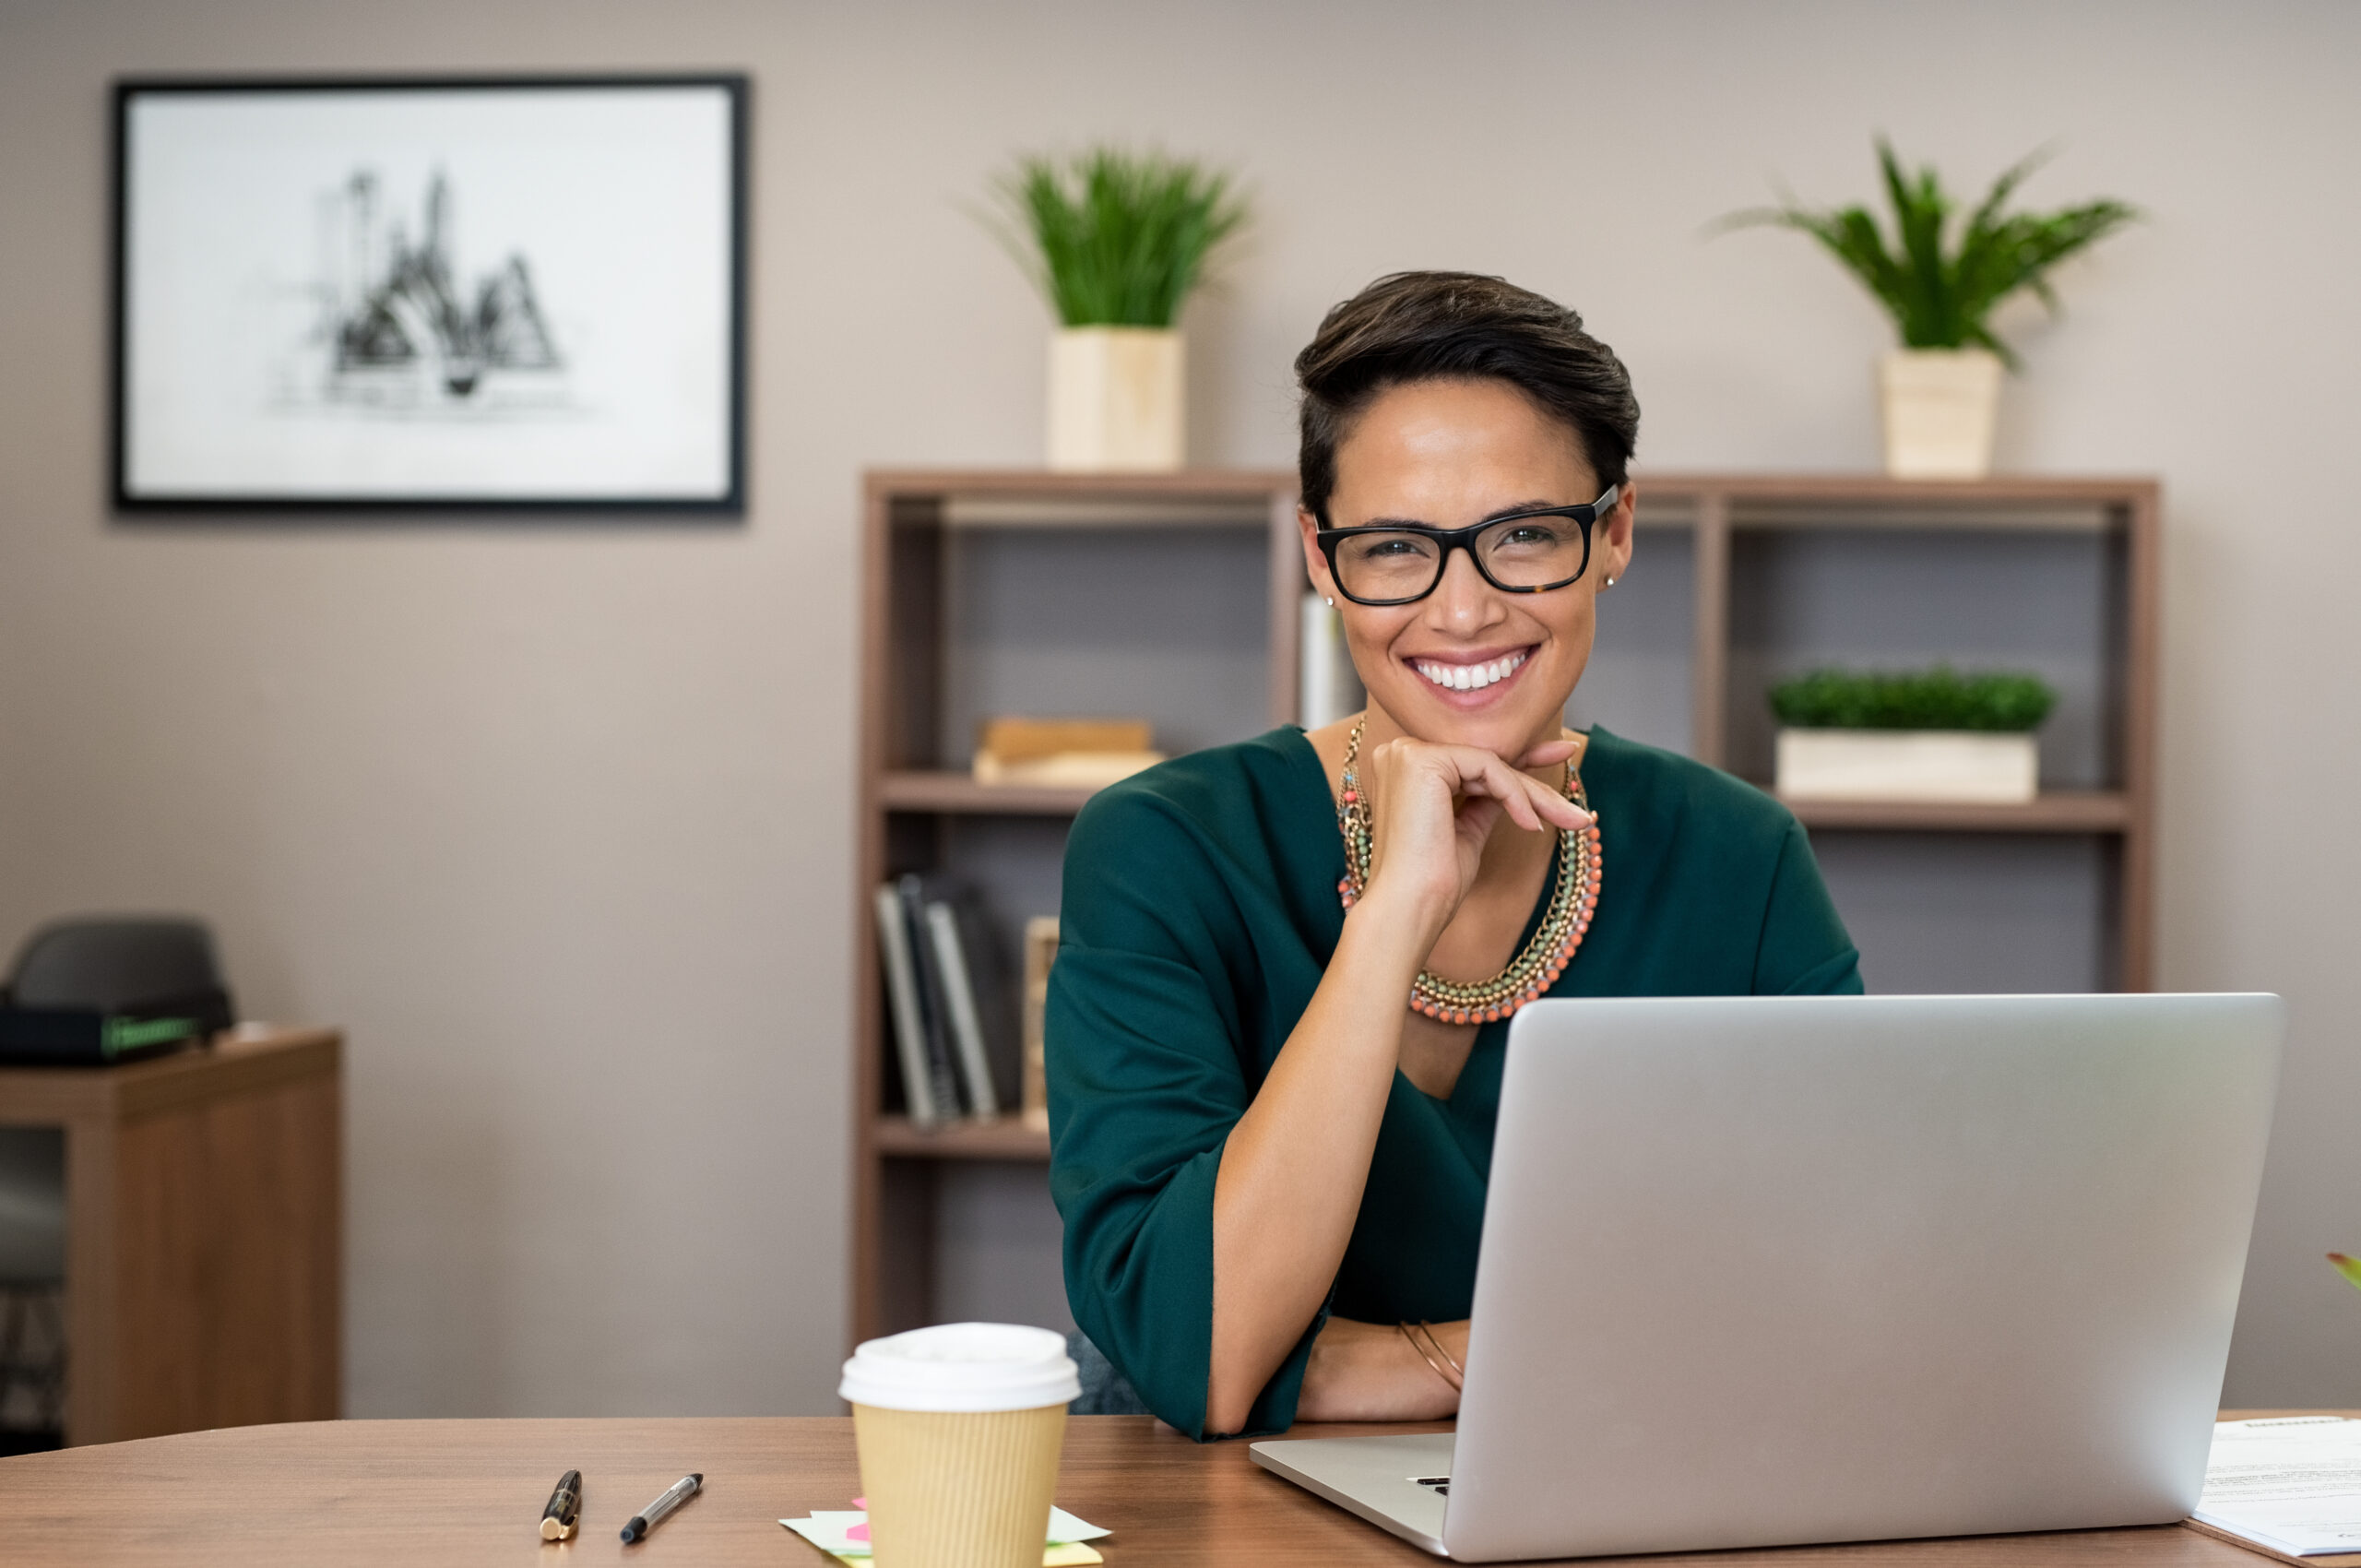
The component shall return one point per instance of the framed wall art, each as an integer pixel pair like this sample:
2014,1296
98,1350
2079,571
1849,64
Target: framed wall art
400,294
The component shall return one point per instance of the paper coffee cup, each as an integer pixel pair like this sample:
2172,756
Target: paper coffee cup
960,1428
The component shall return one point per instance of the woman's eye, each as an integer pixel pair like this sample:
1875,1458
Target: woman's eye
1382,549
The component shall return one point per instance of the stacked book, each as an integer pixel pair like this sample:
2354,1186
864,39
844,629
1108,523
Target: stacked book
1087,753
952,1019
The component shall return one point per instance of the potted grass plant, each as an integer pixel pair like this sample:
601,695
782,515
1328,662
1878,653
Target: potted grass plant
1116,242
1919,736
1938,393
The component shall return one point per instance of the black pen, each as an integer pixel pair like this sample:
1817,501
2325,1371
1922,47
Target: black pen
647,1518
560,1519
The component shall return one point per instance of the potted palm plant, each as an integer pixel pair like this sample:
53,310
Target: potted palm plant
1116,242
1922,735
1939,391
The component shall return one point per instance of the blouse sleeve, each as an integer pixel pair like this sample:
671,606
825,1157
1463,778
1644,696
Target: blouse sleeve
1803,949
1146,1076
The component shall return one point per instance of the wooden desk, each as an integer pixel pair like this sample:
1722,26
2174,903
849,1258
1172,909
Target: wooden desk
459,1493
204,1258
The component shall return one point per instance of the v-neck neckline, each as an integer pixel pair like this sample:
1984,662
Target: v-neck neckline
1490,1043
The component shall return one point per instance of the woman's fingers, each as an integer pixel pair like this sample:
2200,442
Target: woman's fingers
1530,803
1548,753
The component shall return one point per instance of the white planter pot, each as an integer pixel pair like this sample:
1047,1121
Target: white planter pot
1959,765
1939,406
1116,399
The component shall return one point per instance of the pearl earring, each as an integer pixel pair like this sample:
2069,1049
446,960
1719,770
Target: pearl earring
1610,582
1330,603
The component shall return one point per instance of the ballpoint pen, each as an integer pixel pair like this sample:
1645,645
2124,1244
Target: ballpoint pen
647,1518
564,1515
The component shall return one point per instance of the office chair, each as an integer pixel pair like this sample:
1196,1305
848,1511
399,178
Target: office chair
121,966
135,965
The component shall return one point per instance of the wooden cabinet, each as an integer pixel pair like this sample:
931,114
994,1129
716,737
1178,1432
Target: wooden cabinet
1177,598
204,1267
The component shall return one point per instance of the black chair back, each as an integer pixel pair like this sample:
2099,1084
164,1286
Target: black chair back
134,966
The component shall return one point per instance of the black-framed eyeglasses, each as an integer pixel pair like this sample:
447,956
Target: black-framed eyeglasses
1522,552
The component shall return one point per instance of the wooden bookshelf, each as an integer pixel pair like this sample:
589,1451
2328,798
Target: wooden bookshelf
2057,810
1745,547
1005,1138
927,789
924,533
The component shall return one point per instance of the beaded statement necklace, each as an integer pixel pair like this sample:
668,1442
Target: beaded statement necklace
1531,972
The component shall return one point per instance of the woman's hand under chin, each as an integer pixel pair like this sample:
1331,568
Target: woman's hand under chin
1368,1371
1433,807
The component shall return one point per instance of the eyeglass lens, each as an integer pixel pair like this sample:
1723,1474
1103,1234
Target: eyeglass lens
1517,552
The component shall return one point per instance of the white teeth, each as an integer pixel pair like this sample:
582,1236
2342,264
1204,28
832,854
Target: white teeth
1470,677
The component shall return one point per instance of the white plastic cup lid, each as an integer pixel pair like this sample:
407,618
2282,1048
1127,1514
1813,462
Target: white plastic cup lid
962,1367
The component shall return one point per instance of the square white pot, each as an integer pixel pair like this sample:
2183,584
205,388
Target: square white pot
1940,406
1118,400
1959,765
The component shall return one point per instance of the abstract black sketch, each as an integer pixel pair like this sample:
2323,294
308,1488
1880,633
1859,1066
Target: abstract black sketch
394,317
416,294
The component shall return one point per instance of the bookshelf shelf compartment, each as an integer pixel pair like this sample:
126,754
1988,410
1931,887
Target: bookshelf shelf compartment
1006,1137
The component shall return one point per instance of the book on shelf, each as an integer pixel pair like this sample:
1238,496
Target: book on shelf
1040,952
934,1008
956,940
1328,687
903,1004
1079,753
954,1017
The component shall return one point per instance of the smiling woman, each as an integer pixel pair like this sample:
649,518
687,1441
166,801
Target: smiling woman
1277,1020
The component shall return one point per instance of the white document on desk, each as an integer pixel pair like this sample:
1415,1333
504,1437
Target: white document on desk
2292,1483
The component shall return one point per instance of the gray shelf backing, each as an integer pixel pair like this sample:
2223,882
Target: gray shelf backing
1638,683
1899,598
1172,626
1949,914
997,1246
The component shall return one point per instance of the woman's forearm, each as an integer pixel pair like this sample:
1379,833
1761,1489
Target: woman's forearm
1289,1186
1372,1372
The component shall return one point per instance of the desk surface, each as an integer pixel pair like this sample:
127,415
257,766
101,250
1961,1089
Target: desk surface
470,1491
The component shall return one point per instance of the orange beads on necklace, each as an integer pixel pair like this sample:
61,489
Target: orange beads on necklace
1533,971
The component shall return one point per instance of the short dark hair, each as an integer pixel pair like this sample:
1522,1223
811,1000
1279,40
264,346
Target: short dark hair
1411,327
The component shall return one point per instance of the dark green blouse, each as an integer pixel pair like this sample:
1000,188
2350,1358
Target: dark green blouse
1199,911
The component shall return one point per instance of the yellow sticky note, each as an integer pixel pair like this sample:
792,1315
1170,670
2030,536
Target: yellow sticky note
1073,1554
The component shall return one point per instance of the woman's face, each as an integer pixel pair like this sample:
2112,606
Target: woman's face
1447,454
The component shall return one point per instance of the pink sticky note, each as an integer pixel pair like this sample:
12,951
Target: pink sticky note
857,1532
861,1502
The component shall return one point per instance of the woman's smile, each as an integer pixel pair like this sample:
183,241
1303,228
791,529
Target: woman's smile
1472,678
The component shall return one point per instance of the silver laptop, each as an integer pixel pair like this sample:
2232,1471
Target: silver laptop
1759,1271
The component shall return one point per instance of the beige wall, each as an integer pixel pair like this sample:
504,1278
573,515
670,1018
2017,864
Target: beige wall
556,819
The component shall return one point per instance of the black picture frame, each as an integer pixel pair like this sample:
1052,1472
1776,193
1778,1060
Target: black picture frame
717,492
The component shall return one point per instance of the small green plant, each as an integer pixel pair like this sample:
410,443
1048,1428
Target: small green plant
1929,699
1941,295
2349,1267
1114,238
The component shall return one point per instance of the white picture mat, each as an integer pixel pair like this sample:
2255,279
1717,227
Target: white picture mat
619,198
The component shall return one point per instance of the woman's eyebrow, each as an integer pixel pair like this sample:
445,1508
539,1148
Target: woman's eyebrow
1488,518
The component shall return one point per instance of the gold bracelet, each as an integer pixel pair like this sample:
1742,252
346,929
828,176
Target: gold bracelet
1436,1340
1438,1366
